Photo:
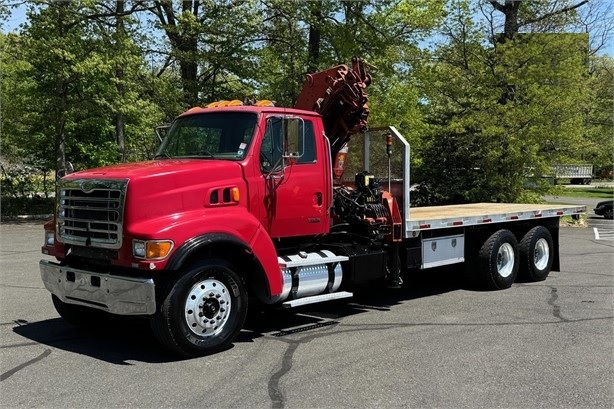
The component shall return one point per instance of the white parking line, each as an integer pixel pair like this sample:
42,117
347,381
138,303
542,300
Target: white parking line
604,234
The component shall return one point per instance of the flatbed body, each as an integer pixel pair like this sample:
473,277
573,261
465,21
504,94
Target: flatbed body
439,217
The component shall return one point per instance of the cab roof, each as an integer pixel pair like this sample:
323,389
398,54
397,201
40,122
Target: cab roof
249,108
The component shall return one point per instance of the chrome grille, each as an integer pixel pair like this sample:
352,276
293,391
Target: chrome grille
91,212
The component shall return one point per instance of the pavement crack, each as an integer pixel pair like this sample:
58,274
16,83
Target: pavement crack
18,368
275,392
556,309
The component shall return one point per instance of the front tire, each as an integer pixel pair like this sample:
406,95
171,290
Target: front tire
203,312
536,257
498,260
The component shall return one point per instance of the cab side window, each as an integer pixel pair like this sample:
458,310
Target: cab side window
271,150
309,150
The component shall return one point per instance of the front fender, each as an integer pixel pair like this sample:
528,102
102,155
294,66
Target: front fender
194,230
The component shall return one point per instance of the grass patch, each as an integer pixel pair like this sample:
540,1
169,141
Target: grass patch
574,221
588,192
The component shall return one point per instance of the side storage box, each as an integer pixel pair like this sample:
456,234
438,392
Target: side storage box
441,251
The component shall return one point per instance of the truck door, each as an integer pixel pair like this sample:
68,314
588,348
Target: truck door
294,196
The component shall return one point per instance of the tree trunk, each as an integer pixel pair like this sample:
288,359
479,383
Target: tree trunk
61,88
313,56
184,44
188,50
510,10
120,120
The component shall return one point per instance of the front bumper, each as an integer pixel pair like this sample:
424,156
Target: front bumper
115,294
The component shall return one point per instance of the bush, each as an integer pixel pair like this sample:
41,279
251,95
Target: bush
15,206
24,180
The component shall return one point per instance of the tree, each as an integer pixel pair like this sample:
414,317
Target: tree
89,90
212,44
598,144
500,109
130,100
531,13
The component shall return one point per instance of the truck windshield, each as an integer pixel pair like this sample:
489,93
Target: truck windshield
216,135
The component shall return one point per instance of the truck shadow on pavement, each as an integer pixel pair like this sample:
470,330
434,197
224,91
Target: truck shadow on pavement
123,340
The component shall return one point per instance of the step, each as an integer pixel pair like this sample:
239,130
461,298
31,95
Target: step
316,298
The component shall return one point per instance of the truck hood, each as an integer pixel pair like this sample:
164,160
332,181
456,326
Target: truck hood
155,168
168,187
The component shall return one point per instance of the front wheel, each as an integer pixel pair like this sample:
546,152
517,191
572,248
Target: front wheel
203,312
498,260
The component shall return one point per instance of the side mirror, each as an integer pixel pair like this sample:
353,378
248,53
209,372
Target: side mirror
162,130
68,168
283,144
293,133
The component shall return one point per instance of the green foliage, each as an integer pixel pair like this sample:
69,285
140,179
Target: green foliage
23,180
88,81
587,192
68,79
500,111
17,206
598,144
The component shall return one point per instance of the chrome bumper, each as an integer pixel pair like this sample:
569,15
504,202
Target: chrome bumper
115,294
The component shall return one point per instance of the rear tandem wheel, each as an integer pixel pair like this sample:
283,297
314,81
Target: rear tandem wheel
498,260
536,256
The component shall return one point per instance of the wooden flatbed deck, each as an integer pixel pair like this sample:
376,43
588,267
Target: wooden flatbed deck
433,217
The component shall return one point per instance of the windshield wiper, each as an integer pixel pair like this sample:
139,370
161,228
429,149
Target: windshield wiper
204,153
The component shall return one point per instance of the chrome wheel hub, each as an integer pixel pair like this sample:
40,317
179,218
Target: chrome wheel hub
505,260
541,255
207,307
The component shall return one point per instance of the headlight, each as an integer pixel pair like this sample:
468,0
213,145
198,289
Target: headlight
151,249
49,238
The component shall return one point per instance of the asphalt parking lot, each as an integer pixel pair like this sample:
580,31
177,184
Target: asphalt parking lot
438,343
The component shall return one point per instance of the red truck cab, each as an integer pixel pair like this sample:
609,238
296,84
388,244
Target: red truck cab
225,182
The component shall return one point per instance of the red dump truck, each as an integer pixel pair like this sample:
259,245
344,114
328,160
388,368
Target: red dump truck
246,205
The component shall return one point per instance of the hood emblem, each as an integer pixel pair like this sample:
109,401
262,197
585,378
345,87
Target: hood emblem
87,186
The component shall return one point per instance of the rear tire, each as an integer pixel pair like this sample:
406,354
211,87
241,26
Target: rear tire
498,260
536,256
609,214
203,312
